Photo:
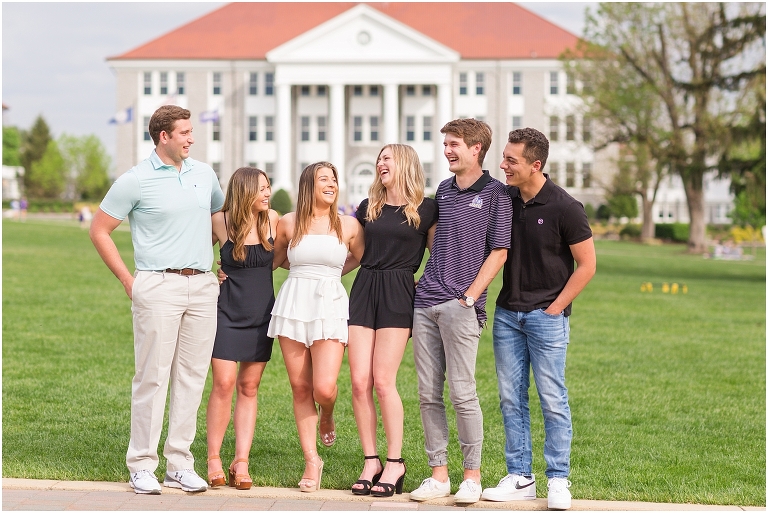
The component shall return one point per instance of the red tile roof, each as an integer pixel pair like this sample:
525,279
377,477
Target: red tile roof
476,30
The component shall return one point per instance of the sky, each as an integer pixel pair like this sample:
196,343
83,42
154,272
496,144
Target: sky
54,55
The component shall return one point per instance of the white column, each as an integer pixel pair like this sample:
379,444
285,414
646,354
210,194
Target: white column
391,123
444,115
338,140
283,164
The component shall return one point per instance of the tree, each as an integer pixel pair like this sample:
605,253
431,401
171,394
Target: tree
281,202
11,146
697,60
47,176
34,145
87,164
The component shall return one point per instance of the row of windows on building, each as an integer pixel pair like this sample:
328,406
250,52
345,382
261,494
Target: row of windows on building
266,83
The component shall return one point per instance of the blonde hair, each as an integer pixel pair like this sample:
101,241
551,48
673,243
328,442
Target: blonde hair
305,203
242,191
408,182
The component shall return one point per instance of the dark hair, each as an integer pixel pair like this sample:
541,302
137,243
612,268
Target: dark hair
472,131
164,119
535,144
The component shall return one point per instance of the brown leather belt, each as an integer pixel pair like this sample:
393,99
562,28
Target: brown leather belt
185,272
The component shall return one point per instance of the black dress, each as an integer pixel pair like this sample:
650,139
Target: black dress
245,302
383,291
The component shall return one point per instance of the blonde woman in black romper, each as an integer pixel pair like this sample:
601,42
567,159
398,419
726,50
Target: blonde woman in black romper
398,223
244,230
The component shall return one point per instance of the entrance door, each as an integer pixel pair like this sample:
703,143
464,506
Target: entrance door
359,183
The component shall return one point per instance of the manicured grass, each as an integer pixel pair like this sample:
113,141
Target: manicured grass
667,391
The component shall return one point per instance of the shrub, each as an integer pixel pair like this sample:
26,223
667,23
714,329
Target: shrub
603,212
281,202
590,210
632,231
676,232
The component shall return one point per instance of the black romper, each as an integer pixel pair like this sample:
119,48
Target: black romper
383,291
245,305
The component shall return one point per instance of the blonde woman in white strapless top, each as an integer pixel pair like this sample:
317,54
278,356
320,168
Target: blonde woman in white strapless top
311,310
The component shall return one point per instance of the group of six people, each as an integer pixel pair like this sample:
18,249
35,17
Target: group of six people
475,226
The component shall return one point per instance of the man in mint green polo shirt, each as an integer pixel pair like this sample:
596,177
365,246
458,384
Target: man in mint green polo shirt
168,199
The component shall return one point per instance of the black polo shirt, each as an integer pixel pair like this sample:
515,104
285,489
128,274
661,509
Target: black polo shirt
539,261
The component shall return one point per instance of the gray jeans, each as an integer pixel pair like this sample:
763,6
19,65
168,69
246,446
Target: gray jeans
445,340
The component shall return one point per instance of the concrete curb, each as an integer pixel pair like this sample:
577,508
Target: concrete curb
401,502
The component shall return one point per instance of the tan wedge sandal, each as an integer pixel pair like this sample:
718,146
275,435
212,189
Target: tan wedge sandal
239,481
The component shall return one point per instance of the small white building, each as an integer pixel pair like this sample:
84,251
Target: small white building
13,177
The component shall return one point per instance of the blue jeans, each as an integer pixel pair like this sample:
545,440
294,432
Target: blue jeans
538,341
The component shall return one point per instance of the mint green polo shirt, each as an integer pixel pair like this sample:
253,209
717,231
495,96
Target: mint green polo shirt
169,212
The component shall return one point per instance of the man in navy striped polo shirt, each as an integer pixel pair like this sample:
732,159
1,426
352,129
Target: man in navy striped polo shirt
470,246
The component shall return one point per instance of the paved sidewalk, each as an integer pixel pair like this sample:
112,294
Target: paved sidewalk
32,494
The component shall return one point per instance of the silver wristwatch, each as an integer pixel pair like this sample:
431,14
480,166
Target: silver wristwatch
469,300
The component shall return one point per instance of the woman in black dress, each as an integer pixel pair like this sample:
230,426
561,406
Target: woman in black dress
244,229
398,223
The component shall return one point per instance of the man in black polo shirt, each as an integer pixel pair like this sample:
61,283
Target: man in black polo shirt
530,327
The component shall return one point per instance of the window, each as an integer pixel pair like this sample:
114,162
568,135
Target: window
253,84
570,174
253,126
305,90
357,122
410,90
305,128
462,84
517,82
147,137
216,168
427,128
216,133
357,90
553,128
180,82
322,127
426,90
586,85
217,83
147,82
553,82
517,122
269,128
163,82
252,164
570,128
427,174
570,84
586,129
269,84
374,128
410,128
322,90
586,175
479,84
554,171
269,168
373,90
303,166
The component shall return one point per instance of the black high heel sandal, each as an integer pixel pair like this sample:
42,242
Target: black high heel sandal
391,489
366,489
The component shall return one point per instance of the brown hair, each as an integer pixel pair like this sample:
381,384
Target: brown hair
164,119
242,191
409,182
305,203
535,144
472,131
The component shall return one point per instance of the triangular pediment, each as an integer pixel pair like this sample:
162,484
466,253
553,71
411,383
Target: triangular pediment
362,35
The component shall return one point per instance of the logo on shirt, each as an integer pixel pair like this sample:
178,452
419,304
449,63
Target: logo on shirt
540,221
477,202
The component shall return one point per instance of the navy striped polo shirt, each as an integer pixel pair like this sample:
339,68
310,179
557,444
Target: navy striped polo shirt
471,223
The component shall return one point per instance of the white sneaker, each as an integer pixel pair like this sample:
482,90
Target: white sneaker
144,481
431,489
185,479
469,492
512,487
559,497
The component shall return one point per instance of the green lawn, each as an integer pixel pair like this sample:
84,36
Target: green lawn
667,391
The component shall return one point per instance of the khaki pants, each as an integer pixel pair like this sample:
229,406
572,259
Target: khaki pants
174,326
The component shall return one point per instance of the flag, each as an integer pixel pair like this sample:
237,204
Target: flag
122,117
209,116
